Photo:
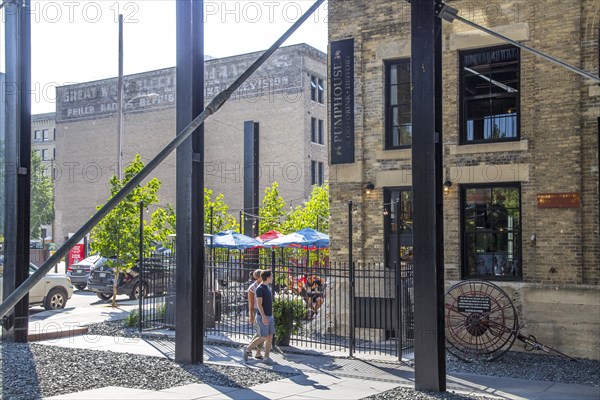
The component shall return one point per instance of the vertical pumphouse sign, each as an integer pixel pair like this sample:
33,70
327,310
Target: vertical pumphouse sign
342,101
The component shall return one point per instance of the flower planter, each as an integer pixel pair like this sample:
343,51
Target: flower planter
285,339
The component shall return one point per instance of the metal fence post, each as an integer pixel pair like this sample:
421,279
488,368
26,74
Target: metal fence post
399,291
351,281
141,298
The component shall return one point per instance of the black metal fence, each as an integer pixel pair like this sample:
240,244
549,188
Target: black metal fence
157,301
379,297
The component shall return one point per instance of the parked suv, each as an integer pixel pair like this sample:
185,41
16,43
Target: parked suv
157,277
80,272
52,291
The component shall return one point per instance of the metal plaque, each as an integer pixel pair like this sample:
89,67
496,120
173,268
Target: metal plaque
474,304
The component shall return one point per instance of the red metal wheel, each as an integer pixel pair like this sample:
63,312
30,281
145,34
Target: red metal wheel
481,321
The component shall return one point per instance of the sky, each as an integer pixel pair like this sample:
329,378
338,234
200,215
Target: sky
77,41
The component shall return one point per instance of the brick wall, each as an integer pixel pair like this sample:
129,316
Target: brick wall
558,148
277,96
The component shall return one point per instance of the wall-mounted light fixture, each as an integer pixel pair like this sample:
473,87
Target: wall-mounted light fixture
369,188
447,185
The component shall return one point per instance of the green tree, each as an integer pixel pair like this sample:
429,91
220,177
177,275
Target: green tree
307,215
271,211
42,197
117,235
221,220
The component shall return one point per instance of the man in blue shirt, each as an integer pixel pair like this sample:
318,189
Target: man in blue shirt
264,318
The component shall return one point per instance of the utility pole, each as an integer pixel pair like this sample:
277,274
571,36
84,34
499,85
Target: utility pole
120,104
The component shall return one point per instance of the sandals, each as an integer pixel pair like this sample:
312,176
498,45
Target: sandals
259,357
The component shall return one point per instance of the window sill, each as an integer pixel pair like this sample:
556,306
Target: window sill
497,147
393,154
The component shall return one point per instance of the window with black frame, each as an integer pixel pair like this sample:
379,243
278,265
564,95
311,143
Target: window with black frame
491,226
489,87
398,120
390,210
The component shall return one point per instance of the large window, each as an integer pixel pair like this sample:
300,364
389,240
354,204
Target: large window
491,227
317,90
489,94
398,200
316,130
398,122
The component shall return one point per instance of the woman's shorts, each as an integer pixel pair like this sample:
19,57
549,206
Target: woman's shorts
265,330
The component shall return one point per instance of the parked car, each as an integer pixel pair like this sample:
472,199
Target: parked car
52,292
80,272
157,277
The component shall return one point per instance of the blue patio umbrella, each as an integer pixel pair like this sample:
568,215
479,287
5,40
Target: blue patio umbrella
232,240
307,238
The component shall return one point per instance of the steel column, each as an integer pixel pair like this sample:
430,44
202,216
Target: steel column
251,177
189,304
17,163
426,39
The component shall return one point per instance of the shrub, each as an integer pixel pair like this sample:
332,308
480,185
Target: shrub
288,310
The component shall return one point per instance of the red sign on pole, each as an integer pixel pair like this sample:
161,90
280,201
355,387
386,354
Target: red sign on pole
76,254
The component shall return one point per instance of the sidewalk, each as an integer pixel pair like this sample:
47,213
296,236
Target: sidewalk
70,318
318,377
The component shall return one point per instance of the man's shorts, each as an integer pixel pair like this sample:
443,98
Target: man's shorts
265,330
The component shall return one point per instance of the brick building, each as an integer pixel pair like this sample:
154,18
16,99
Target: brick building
520,155
43,132
286,97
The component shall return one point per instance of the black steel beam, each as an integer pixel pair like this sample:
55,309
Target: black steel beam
251,177
426,72
189,304
17,163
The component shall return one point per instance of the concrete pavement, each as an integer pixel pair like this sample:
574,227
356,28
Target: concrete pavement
318,377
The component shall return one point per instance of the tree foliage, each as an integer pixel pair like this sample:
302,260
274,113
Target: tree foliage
221,219
312,214
271,211
42,196
117,235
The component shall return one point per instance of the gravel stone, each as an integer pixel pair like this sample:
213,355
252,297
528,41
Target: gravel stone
400,393
533,366
112,328
33,371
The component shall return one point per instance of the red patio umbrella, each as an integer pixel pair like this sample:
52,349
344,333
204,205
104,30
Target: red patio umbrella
269,236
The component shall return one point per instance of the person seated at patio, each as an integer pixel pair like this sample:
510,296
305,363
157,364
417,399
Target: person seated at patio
313,295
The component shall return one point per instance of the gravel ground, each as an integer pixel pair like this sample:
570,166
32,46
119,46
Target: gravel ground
31,371
36,375
410,394
112,328
533,366
521,365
